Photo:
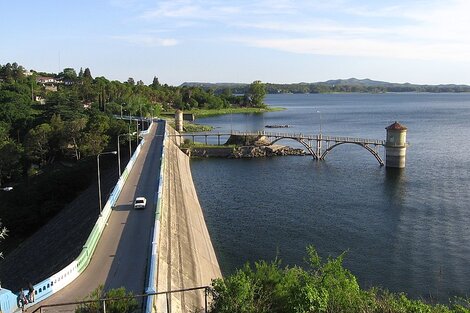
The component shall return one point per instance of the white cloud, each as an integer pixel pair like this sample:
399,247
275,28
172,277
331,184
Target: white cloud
364,48
147,40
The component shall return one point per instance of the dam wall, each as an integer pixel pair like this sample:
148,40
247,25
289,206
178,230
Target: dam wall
186,257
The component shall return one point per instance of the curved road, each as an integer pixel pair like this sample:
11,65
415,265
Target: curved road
121,257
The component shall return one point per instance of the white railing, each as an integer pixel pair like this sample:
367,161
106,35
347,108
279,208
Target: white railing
153,260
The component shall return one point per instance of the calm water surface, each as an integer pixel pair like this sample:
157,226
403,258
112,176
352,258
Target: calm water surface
405,230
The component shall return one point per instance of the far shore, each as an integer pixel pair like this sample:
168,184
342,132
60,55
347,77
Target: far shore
198,113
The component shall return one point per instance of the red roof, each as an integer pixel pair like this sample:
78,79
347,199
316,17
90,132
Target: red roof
396,126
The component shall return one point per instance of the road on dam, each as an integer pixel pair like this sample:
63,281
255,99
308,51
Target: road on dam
121,257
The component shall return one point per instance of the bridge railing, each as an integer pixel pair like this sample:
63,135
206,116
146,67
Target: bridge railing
104,304
69,273
155,237
300,136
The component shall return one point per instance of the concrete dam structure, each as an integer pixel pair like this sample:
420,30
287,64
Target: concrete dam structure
186,256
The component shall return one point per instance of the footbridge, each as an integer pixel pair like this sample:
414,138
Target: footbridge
318,146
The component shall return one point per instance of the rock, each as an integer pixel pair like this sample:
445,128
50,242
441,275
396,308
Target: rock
250,140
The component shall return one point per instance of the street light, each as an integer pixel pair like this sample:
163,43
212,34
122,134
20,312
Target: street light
320,121
99,179
119,149
137,128
130,143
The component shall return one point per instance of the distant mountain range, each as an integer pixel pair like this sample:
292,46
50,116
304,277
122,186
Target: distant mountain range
336,85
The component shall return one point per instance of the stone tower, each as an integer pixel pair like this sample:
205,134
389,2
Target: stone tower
179,121
395,146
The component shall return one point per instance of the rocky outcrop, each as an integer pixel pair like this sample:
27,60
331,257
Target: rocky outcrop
249,146
249,140
243,152
264,151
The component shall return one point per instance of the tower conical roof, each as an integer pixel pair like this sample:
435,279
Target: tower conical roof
396,126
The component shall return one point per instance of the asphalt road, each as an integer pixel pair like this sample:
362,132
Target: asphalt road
121,257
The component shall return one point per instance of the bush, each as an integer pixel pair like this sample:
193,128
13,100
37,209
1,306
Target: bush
325,286
122,302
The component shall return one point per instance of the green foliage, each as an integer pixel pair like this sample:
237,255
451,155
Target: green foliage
256,94
119,301
37,143
10,155
325,286
192,127
15,107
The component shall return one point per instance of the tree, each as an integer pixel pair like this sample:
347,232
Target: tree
87,74
256,94
95,139
69,73
57,136
17,71
10,155
10,161
15,107
131,81
155,83
73,135
37,143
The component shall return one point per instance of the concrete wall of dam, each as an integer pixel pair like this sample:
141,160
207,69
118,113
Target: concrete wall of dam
186,256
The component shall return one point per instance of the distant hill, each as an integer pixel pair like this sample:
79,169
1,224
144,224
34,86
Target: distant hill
336,85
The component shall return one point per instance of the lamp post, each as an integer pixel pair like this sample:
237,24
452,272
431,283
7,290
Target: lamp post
320,120
99,179
119,149
231,124
137,128
130,143
142,125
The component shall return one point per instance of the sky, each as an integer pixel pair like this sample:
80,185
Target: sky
277,41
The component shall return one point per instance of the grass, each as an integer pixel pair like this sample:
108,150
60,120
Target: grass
206,112
214,112
204,146
192,128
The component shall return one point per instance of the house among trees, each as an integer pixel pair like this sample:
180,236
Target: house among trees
46,80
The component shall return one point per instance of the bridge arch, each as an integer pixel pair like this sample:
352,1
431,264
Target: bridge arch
365,146
302,142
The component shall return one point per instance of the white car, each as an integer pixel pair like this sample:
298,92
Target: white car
140,203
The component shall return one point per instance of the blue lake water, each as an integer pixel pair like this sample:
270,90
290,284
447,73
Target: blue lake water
405,230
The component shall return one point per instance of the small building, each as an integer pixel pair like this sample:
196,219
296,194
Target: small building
46,80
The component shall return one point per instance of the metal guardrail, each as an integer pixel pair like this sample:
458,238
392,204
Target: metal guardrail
104,302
